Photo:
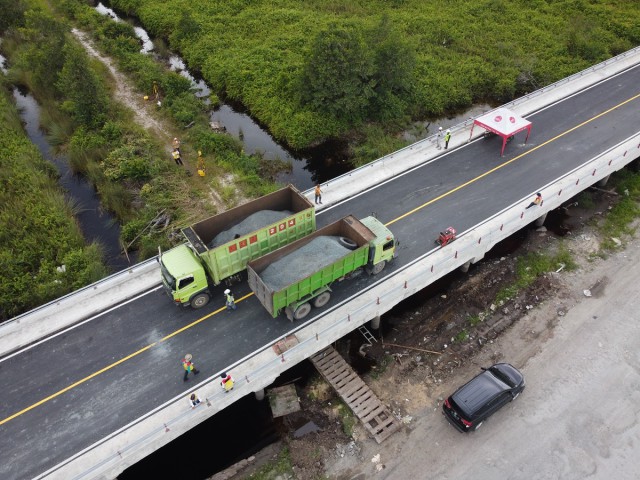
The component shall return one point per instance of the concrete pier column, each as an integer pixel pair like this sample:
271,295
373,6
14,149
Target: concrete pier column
603,182
540,221
259,395
465,268
375,322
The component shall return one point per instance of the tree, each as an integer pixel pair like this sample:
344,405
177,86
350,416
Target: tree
86,99
394,64
11,14
45,39
186,28
337,76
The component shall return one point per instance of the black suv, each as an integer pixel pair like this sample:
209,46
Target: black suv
484,395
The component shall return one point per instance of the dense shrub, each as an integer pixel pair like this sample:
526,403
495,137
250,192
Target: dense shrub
383,61
37,230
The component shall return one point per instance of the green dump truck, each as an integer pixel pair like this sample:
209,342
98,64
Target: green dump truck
295,277
219,247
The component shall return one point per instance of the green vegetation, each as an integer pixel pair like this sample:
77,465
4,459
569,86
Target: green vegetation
585,200
37,230
275,468
531,266
381,367
618,221
347,418
476,319
320,69
132,171
461,336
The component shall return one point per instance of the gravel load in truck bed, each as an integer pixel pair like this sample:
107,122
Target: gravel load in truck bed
253,222
315,255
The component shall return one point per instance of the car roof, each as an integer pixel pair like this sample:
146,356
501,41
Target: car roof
475,393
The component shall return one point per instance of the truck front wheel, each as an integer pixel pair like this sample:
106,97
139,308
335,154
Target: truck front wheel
199,301
302,311
377,268
321,300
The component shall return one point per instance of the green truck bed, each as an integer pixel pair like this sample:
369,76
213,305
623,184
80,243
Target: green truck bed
275,300
231,257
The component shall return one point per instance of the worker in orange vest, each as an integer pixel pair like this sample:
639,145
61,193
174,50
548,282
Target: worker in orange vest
536,201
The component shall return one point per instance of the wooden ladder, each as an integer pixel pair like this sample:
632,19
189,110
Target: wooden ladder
373,414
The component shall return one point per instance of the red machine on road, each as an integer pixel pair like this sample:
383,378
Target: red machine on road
448,236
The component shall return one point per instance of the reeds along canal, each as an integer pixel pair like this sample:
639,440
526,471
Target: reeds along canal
97,224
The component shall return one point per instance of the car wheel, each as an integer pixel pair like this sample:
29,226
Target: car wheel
477,426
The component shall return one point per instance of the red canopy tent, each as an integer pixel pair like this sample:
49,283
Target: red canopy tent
503,122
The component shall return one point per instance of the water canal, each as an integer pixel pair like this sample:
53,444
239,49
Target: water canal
96,224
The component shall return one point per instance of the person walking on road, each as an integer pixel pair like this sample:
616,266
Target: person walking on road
439,138
318,195
447,137
194,401
229,300
226,382
188,366
536,201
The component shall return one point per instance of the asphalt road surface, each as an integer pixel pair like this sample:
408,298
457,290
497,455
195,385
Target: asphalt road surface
64,394
578,416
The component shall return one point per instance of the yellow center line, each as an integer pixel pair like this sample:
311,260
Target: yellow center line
202,319
115,364
488,172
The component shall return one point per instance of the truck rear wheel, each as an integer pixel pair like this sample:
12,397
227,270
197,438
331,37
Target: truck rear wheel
199,301
377,268
322,299
302,311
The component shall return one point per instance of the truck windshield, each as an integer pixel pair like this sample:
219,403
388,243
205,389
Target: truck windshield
168,278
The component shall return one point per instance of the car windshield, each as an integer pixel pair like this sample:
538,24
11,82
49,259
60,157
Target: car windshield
501,376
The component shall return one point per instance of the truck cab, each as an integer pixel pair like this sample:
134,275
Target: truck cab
184,278
382,247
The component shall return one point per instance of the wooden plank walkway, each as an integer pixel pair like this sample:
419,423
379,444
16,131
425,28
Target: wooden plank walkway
375,417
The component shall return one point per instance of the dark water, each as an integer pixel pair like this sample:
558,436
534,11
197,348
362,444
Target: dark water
97,225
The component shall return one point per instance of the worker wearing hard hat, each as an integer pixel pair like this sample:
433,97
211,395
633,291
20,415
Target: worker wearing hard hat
229,300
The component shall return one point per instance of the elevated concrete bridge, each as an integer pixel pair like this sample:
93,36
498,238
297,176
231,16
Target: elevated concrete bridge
92,381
